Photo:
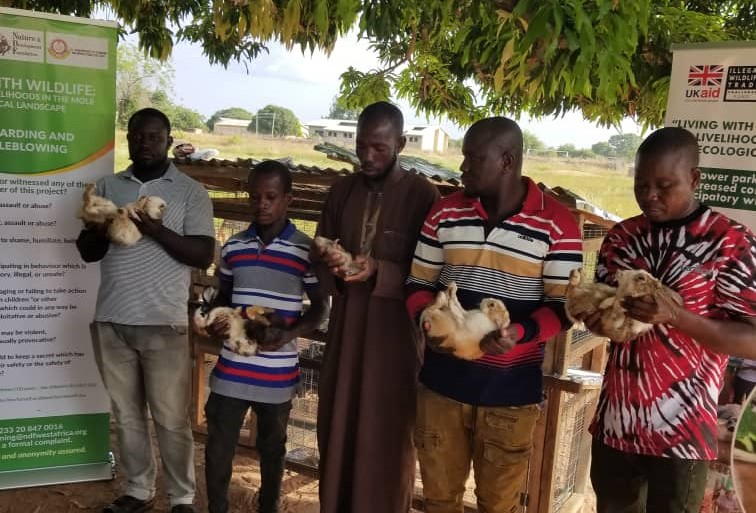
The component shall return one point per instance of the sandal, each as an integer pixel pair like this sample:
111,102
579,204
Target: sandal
128,504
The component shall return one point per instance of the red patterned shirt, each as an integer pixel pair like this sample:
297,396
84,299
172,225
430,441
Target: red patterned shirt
660,390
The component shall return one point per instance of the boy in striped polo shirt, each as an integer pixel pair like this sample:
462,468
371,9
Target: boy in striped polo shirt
502,238
265,265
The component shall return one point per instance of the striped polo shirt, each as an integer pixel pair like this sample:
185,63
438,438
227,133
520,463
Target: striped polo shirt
525,262
274,276
142,284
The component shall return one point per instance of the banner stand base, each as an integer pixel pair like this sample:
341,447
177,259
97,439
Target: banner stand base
56,475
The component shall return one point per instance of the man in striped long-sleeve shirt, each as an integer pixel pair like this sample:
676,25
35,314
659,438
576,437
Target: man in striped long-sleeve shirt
501,237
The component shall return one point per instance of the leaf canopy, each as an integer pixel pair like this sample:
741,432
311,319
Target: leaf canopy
462,59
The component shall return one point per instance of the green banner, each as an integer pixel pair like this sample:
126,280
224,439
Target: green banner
729,188
53,441
55,93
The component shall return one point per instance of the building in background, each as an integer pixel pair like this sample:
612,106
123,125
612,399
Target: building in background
231,126
431,138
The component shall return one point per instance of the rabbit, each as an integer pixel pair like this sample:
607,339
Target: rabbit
238,341
323,244
96,209
585,299
123,231
452,328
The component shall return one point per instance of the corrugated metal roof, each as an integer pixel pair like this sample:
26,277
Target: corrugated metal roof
407,162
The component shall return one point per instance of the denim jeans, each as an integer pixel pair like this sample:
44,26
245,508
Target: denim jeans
145,366
635,483
498,441
225,416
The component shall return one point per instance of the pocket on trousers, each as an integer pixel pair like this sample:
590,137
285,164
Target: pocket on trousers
426,440
511,429
500,456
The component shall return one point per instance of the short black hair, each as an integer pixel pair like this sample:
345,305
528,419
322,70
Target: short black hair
383,111
149,112
272,168
499,129
670,139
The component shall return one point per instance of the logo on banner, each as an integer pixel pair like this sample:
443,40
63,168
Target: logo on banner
704,83
58,49
741,84
21,45
4,44
79,51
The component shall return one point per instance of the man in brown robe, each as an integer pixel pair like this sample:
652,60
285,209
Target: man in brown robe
368,381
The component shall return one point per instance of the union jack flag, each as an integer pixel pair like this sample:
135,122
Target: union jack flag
710,75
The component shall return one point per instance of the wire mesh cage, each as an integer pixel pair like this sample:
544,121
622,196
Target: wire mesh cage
573,445
302,444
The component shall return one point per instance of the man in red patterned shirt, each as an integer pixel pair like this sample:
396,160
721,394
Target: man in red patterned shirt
656,424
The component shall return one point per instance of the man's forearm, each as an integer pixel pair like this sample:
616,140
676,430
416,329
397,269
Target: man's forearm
736,337
544,323
194,251
418,297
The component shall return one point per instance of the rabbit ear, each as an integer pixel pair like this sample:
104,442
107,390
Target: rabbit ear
208,295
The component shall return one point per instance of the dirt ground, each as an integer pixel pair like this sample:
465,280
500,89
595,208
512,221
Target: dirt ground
300,492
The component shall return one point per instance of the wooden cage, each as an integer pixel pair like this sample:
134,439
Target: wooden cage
574,361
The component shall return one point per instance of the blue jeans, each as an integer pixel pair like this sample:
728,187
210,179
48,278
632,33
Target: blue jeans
145,366
225,416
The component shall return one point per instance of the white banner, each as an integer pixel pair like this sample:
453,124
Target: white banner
712,93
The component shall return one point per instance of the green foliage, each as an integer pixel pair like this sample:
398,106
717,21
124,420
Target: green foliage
620,145
275,120
604,149
184,118
339,111
460,58
625,145
145,82
138,78
231,112
530,141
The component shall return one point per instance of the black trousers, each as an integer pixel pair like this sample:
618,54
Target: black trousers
225,416
633,483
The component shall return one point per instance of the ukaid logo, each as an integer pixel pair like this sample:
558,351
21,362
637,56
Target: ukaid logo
741,84
21,45
704,83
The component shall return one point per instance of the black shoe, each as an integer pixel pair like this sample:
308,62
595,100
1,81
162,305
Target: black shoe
128,504
183,508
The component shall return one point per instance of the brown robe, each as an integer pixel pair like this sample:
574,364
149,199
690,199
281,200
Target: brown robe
368,381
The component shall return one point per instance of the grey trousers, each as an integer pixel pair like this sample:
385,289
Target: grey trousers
145,366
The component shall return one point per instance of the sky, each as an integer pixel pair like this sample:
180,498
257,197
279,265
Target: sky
307,84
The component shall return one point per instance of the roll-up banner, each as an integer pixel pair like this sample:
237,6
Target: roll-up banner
712,93
57,119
